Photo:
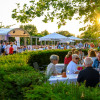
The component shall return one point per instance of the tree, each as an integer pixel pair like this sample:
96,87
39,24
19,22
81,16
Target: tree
31,29
65,33
45,32
61,9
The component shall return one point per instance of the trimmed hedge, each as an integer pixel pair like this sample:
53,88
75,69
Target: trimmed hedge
42,57
16,75
19,81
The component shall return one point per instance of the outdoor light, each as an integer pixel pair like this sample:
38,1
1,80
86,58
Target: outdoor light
13,31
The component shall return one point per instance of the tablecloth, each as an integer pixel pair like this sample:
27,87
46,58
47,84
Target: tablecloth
70,78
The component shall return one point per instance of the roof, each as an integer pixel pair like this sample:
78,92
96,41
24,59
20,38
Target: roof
53,36
5,31
74,38
14,32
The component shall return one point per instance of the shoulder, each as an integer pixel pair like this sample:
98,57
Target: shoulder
96,60
50,65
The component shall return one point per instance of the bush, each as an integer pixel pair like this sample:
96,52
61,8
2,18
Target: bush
19,81
15,75
42,57
62,91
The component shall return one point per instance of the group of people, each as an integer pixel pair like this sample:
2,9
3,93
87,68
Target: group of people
77,45
92,66
8,48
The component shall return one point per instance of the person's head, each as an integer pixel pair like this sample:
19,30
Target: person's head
54,59
75,58
69,54
92,53
80,50
98,56
88,62
73,49
11,45
76,52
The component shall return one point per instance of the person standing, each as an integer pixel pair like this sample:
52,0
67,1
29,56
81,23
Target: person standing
80,45
8,46
15,48
11,50
0,48
90,75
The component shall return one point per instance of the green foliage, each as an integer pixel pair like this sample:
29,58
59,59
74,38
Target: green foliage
62,91
61,9
65,33
45,32
19,81
31,29
15,75
42,57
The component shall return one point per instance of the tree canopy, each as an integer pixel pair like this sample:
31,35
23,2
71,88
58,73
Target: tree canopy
65,33
60,9
31,29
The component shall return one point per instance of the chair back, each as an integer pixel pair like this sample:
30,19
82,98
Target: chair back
36,66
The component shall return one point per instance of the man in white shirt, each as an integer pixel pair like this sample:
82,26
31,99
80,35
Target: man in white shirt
15,48
72,66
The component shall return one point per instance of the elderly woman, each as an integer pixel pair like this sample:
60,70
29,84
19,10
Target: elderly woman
51,69
72,66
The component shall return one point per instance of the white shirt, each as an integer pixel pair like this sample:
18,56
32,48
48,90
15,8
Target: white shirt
71,68
51,69
7,47
15,48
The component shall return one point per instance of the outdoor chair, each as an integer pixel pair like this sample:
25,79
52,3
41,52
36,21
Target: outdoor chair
37,68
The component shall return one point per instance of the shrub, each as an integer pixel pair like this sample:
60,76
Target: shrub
15,75
62,91
42,57
18,80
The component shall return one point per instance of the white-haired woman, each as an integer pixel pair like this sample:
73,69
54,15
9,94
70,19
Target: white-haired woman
51,69
72,66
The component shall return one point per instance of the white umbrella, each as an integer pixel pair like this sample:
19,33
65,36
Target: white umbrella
66,41
53,37
74,38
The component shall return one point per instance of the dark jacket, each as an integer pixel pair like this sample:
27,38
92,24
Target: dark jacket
96,63
90,75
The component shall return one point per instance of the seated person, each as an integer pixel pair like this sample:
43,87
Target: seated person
51,69
96,63
76,52
67,60
81,56
90,75
92,54
72,66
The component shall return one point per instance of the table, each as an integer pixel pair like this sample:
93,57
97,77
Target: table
59,67
70,78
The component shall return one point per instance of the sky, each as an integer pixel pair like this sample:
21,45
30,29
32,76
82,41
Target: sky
6,7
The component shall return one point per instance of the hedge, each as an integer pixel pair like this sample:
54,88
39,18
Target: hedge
19,80
42,57
16,75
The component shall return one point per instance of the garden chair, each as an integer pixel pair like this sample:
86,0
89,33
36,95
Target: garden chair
37,68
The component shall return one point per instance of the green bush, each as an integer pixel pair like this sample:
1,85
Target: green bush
42,57
19,80
62,91
15,75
